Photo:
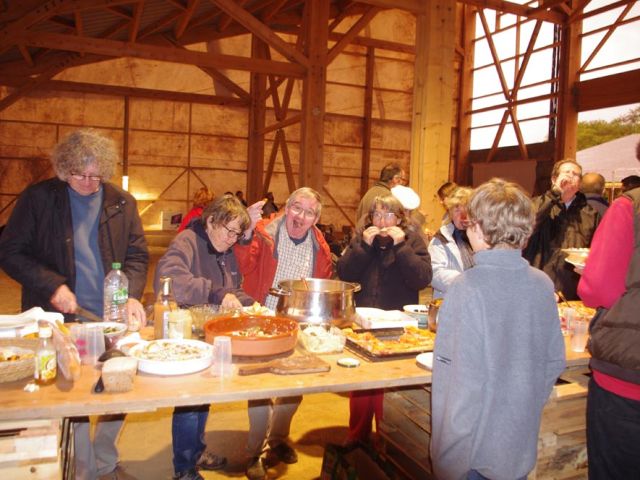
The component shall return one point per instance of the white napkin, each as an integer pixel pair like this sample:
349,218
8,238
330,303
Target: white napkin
26,322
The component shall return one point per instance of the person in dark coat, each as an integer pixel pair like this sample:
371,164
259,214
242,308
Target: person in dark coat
392,265
564,219
592,186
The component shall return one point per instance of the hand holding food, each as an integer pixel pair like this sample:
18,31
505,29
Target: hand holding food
64,300
135,315
396,233
369,234
230,302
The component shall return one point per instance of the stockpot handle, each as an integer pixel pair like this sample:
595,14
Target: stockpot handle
356,287
279,292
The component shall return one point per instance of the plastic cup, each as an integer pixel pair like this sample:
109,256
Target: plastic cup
80,339
222,366
579,333
94,338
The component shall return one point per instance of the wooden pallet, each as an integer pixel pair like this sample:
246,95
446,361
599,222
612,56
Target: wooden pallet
562,452
30,449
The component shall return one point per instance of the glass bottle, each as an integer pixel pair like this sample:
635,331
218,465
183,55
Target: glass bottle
46,365
165,303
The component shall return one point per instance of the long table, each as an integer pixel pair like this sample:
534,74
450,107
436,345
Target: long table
150,392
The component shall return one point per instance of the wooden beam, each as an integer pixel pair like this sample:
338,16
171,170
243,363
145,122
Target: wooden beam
181,25
567,124
135,23
461,166
356,28
516,9
46,10
259,29
115,48
281,124
116,90
413,6
226,19
609,91
314,95
434,90
257,119
366,127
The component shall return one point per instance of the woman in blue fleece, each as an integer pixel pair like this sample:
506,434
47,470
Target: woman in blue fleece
499,349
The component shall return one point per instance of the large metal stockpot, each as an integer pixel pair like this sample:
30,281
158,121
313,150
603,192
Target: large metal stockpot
316,300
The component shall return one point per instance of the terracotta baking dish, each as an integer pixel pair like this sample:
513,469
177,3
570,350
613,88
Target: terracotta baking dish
254,335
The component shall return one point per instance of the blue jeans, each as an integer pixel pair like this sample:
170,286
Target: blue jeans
187,431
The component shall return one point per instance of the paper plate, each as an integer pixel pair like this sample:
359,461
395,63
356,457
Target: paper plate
425,360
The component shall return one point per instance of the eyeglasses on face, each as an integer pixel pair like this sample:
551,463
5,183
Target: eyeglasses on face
80,177
231,234
403,180
298,210
383,216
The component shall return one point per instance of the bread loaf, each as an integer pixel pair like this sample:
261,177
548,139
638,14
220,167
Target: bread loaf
118,374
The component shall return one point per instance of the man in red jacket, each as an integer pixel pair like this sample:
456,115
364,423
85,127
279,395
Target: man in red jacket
288,246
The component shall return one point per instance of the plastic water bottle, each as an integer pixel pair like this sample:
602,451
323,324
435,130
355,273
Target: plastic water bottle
116,294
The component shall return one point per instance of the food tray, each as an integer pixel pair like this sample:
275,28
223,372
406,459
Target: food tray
387,335
11,371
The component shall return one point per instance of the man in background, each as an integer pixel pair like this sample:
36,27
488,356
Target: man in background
564,219
593,189
391,175
630,182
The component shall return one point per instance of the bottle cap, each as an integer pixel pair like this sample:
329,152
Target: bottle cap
116,265
45,332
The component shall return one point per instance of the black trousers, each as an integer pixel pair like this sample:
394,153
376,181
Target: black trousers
613,435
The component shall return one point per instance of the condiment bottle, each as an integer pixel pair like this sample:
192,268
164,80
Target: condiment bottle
165,303
46,365
179,325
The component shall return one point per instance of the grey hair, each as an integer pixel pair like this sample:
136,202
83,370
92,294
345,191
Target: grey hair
306,192
82,148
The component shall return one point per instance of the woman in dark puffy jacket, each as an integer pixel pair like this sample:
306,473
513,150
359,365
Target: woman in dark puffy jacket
391,262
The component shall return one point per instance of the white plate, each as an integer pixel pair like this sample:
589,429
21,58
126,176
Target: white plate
121,328
425,360
173,367
575,262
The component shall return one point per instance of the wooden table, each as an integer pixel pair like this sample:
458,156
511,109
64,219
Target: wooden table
150,392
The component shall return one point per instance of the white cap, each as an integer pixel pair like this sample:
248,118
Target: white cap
407,196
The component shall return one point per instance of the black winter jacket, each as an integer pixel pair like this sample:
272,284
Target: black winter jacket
390,278
36,247
557,227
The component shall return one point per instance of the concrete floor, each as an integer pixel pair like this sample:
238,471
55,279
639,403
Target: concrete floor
145,441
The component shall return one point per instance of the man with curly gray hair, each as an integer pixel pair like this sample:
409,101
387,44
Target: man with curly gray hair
61,239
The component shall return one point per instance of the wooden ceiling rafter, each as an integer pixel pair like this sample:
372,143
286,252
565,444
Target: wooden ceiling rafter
261,30
24,51
121,12
225,19
216,74
356,28
579,13
135,22
116,48
183,22
272,10
516,9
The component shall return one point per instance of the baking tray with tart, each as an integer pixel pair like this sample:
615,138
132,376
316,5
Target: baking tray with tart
389,343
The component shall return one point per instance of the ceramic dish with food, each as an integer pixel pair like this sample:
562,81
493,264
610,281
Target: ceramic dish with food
254,335
369,318
172,356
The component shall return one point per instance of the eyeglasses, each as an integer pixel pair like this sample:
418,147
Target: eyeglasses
403,180
80,177
383,216
298,210
231,234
